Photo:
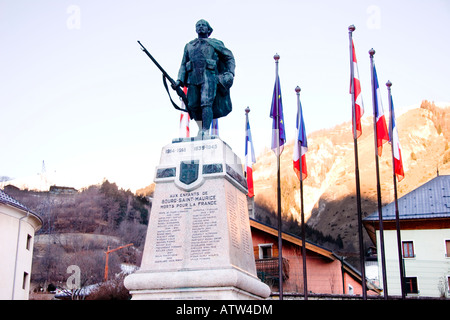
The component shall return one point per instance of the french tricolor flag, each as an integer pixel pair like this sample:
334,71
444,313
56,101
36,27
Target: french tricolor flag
381,127
184,120
396,148
249,159
300,146
214,127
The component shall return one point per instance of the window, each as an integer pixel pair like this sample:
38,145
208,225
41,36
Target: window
447,248
265,251
350,289
25,280
29,242
408,249
448,284
411,285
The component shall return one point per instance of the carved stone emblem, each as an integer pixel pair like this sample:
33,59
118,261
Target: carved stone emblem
189,171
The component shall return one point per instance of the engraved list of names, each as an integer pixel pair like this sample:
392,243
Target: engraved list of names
187,228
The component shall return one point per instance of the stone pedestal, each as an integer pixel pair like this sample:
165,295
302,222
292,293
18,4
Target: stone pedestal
198,244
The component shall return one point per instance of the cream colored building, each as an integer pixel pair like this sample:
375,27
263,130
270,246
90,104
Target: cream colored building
18,225
425,240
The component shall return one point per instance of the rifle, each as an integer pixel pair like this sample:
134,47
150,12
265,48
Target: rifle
166,77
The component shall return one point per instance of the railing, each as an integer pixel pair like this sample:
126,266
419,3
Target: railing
267,269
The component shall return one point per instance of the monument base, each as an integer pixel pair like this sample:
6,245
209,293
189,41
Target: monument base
214,293
198,243
222,284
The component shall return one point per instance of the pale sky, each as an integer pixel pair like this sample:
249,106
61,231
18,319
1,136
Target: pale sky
77,92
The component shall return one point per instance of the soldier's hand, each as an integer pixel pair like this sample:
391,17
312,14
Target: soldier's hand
177,84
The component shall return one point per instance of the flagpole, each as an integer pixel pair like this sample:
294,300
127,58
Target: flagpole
397,215
276,57
358,192
305,278
380,214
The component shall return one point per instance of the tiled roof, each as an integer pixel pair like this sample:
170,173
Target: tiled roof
7,199
430,200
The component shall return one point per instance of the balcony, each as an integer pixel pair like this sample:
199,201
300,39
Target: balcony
267,269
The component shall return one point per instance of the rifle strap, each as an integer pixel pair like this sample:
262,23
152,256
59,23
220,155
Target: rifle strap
167,89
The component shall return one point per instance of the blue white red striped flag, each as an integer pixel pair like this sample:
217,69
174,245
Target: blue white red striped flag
249,159
381,127
396,148
215,127
300,146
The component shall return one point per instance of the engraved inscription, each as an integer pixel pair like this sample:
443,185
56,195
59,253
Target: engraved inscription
243,220
233,219
167,246
201,210
205,235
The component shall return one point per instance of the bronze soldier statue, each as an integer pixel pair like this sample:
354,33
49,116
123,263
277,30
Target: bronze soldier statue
207,69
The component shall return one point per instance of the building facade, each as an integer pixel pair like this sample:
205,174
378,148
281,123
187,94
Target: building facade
17,229
327,274
425,240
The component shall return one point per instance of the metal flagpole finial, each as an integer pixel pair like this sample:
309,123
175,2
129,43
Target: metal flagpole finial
276,57
351,28
247,110
371,52
297,89
389,84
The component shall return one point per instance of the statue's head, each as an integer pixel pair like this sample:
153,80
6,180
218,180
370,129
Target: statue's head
203,28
